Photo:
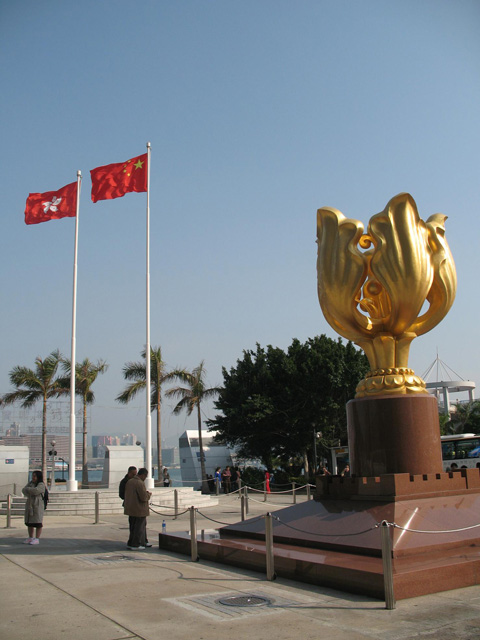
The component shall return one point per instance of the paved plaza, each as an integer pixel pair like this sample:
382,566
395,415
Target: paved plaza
81,582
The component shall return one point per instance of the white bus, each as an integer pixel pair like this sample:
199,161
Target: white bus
463,449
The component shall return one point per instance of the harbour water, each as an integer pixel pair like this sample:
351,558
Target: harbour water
95,475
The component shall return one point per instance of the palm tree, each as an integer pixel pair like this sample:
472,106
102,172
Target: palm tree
86,373
191,398
33,385
136,371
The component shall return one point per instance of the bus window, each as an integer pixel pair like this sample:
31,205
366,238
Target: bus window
472,448
448,450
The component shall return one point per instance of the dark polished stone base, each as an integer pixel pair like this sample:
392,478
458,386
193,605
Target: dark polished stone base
336,543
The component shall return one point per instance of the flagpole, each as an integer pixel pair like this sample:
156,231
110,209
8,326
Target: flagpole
150,481
72,484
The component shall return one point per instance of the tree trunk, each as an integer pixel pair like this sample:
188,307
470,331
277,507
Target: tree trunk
306,466
44,441
84,448
202,458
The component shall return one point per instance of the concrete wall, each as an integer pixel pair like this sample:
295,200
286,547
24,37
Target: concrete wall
117,461
13,469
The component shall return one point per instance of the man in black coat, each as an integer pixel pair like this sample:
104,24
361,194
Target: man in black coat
132,471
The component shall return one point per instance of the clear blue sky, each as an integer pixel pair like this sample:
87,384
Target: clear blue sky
259,113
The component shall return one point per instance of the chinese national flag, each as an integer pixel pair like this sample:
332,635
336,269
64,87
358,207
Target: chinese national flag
115,180
52,205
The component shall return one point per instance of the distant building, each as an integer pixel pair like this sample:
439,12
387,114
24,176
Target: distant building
129,439
34,444
100,442
170,457
13,430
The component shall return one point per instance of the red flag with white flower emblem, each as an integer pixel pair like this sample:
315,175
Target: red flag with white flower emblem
115,180
51,205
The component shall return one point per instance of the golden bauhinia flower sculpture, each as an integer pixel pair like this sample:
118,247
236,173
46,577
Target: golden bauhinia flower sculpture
373,286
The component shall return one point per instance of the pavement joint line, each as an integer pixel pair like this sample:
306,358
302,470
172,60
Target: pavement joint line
89,606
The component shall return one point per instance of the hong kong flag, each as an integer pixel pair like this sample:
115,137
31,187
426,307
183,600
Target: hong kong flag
52,205
115,180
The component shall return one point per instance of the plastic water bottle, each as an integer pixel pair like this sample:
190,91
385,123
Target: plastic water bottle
164,527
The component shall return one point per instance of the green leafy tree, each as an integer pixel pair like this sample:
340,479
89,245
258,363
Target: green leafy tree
86,373
136,371
34,385
190,398
274,402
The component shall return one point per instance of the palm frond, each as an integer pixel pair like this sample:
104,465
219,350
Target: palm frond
134,371
130,392
186,404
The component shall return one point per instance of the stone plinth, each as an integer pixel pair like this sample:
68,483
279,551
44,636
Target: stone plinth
394,434
335,539
398,486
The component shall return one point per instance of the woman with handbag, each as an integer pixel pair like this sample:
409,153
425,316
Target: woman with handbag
34,507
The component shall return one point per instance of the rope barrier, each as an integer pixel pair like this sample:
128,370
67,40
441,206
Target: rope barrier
327,535
162,506
397,526
277,504
228,523
168,515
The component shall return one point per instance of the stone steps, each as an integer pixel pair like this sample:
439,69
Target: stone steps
83,502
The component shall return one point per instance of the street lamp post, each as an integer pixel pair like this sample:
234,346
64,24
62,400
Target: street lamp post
53,453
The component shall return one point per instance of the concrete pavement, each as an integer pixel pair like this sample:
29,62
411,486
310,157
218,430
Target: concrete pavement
81,582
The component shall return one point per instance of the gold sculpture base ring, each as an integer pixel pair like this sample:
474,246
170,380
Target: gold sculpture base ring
398,381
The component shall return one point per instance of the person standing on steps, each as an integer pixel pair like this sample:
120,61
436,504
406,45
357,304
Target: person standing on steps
136,508
34,507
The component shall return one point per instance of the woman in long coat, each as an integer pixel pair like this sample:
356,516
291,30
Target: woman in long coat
34,507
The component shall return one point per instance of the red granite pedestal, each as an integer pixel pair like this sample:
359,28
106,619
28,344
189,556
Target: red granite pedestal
335,540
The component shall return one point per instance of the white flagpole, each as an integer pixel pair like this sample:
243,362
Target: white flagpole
149,482
72,484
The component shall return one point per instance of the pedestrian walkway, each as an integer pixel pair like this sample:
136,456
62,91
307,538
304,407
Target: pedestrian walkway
81,582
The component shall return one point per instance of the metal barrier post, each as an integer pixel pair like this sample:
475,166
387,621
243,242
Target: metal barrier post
245,493
97,507
293,493
9,511
269,547
308,491
175,503
387,566
193,535
239,486
242,507
15,489
264,490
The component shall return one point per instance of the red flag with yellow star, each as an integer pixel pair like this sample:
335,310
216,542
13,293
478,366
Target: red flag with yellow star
115,180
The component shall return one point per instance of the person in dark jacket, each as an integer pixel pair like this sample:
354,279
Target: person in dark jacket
136,508
132,471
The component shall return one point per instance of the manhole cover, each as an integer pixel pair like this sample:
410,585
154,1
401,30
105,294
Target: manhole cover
245,601
112,558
